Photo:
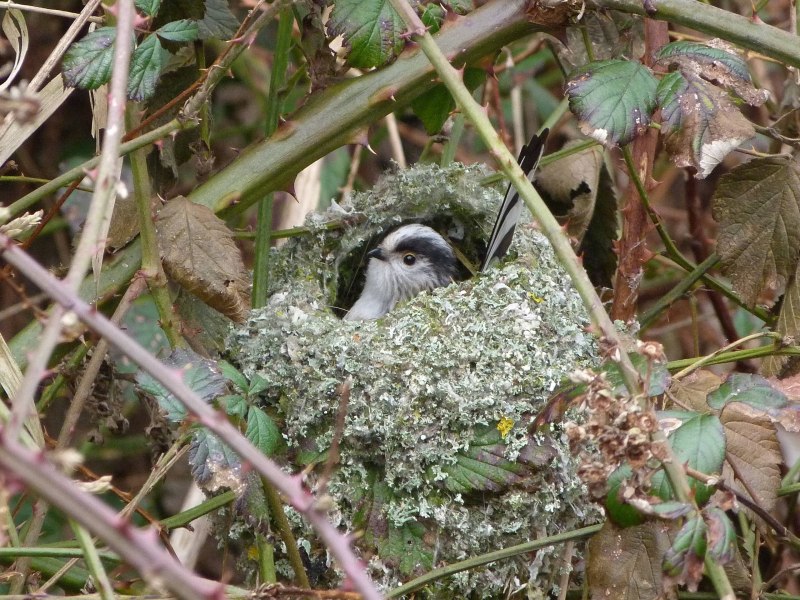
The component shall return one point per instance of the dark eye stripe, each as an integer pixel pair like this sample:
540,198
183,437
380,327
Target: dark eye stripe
436,253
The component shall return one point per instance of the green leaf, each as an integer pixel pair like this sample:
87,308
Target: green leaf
721,535
700,444
146,64
372,31
701,124
148,7
433,17
262,431
184,30
234,405
87,63
401,547
598,249
757,206
257,385
405,547
460,7
218,22
141,322
684,559
671,509
233,375
213,464
483,467
199,374
614,99
619,511
435,106
750,389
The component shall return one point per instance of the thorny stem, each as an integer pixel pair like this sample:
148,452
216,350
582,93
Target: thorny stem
92,558
135,546
90,243
550,227
284,528
671,249
206,415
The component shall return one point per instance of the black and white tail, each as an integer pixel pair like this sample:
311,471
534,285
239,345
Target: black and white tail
511,208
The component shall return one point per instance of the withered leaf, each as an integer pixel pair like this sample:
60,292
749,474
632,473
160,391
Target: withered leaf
752,453
757,206
715,61
690,393
683,562
198,252
788,326
701,124
625,563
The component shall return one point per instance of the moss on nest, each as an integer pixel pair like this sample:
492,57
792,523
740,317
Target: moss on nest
423,468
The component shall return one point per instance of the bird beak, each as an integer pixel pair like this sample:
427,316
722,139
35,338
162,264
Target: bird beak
376,253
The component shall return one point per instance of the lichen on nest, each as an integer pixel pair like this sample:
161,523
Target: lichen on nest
436,460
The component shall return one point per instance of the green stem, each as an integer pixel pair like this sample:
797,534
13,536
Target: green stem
92,558
187,516
719,579
678,291
484,559
79,172
266,561
53,552
736,355
261,267
672,250
449,151
285,530
151,256
707,359
715,22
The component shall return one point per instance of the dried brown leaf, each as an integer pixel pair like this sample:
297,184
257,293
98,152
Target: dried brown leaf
757,206
198,252
625,564
753,454
690,393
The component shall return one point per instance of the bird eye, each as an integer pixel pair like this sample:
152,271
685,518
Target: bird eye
409,259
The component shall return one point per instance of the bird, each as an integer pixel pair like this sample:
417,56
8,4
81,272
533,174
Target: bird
414,258
409,260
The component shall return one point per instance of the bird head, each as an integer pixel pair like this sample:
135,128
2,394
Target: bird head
409,260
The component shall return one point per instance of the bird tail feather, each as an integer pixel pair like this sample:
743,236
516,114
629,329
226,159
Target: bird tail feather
511,208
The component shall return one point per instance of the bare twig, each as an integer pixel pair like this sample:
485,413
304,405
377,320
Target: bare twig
105,191
338,431
87,379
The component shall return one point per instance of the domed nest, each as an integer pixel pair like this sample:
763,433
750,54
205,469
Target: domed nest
436,460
